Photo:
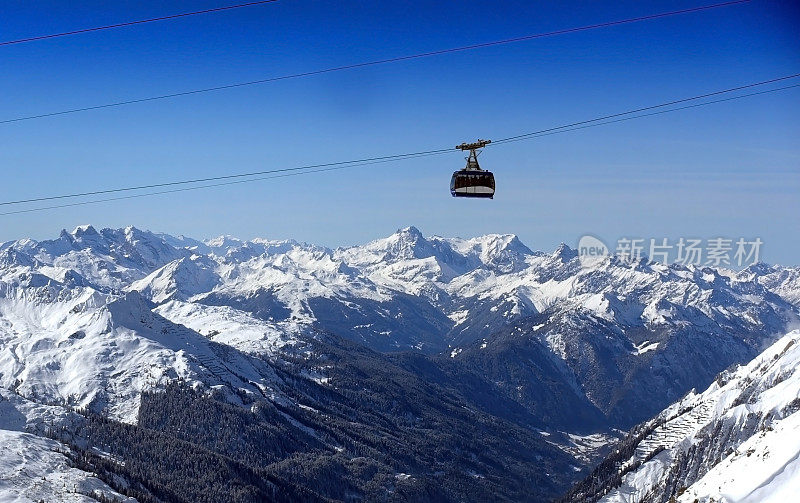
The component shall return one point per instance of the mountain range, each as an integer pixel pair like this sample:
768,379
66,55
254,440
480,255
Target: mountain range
369,372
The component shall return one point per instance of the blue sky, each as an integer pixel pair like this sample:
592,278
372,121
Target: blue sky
730,169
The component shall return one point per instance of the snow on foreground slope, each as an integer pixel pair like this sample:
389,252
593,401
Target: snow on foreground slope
34,468
738,441
764,469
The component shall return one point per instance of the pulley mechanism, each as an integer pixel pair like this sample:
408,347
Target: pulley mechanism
472,181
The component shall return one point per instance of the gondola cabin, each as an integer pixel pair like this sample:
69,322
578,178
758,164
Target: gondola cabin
465,183
472,181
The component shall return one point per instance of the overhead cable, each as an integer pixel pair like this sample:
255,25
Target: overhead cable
370,63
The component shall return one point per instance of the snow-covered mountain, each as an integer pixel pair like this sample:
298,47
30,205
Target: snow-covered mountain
73,332
738,441
551,354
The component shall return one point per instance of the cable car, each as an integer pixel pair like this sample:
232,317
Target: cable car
472,181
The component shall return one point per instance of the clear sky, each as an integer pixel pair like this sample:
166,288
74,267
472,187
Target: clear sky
730,169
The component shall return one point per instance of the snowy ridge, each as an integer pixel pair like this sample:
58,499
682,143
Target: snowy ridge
465,280
737,441
92,319
667,436
232,327
64,330
764,469
90,350
180,279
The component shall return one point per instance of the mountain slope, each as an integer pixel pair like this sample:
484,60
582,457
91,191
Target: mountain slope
411,367
373,430
765,470
737,441
80,348
34,468
609,332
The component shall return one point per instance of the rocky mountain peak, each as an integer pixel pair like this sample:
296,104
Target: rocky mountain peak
564,253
